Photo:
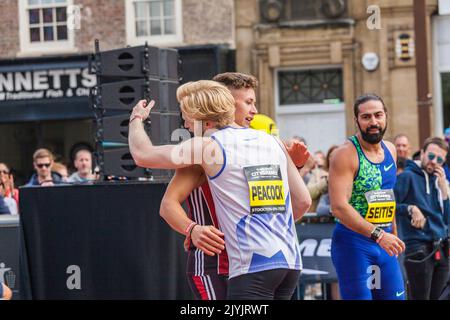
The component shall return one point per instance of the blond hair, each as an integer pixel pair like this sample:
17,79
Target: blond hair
207,100
42,153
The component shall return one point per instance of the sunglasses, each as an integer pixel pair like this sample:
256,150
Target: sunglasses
4,171
41,165
431,157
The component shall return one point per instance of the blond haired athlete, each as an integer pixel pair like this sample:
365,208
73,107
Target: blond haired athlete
207,262
257,191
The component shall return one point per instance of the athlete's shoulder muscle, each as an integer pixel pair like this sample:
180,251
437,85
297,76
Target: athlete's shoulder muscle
345,159
392,149
343,168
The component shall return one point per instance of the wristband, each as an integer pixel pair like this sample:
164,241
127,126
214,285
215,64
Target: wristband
188,230
136,116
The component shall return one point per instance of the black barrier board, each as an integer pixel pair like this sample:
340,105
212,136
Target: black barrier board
315,247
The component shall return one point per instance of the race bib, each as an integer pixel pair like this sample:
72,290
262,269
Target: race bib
381,206
266,191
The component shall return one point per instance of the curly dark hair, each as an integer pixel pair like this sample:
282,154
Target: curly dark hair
236,80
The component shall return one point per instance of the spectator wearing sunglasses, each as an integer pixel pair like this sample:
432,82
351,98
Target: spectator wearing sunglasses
42,162
423,214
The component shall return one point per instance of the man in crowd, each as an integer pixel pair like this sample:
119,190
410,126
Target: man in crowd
403,146
423,214
83,164
42,162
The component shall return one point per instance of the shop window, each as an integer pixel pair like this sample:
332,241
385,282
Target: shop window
44,26
310,86
154,21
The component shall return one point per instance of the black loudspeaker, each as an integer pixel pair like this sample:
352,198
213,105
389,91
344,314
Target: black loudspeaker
119,162
138,62
132,62
169,65
125,76
124,95
165,125
204,62
160,128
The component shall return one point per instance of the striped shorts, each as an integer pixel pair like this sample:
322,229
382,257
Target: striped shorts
209,287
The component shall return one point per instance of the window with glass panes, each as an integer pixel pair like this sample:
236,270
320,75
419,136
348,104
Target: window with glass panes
47,20
154,17
309,86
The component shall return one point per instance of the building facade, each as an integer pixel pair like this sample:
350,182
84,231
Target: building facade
44,73
313,58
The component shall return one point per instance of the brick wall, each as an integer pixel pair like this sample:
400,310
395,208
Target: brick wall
103,20
9,29
206,21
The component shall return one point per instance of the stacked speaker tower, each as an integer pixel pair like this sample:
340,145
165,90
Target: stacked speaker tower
125,76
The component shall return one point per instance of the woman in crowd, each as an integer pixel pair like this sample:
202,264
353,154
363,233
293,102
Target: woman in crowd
7,189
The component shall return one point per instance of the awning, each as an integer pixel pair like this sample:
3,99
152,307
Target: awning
48,88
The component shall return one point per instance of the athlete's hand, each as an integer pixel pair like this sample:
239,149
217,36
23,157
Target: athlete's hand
418,220
392,244
208,239
298,152
142,110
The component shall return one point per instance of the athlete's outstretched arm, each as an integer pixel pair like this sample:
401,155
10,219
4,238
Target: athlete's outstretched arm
343,168
300,198
147,155
206,238
344,165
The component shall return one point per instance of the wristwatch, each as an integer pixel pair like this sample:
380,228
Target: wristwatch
376,233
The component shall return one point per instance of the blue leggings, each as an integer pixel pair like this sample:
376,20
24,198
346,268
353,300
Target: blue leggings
365,270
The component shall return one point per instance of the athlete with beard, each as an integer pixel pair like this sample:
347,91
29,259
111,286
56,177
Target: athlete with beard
362,176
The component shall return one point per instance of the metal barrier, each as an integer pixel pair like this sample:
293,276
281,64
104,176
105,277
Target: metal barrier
9,253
